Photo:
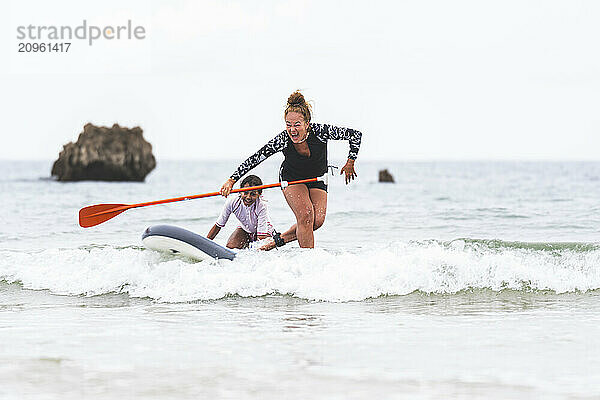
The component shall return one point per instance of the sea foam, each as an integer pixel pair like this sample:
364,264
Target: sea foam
396,268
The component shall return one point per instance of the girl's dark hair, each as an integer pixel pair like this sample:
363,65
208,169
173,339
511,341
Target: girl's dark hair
296,103
252,180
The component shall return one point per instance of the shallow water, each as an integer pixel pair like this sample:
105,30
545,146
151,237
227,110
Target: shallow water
462,280
471,344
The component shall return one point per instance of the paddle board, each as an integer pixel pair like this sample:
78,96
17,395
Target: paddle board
175,240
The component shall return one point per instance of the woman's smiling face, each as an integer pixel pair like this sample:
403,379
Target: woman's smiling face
296,127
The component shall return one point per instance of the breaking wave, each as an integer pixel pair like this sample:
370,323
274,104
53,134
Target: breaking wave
394,269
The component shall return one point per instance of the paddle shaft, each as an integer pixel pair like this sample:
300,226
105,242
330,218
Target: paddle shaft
198,196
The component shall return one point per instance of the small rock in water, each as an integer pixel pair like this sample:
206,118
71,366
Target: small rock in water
105,154
385,176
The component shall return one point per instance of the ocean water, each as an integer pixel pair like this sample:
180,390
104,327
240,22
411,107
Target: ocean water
461,280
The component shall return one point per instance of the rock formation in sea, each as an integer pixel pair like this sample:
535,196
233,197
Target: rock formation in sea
105,154
385,176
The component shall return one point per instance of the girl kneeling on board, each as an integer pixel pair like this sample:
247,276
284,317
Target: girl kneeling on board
251,210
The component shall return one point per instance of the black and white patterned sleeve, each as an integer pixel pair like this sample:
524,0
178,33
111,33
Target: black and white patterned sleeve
274,145
325,132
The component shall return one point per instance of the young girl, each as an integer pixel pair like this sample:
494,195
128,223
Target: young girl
251,210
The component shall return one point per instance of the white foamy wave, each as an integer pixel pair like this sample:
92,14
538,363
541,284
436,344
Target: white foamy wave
395,269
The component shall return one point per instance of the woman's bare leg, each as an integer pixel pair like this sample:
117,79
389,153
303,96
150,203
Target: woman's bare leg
298,198
239,239
308,221
318,198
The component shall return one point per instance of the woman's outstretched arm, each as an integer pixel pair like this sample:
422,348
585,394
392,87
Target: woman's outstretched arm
274,145
327,132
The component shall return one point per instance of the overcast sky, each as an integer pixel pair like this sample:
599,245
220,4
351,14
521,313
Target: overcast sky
423,80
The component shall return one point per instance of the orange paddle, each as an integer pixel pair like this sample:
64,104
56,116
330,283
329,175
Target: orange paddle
97,214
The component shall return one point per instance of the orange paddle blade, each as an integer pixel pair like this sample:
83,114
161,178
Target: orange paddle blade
94,215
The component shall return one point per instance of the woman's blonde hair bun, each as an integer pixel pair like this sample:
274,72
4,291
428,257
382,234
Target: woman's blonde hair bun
297,103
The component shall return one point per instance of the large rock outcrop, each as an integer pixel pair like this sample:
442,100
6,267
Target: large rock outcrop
105,154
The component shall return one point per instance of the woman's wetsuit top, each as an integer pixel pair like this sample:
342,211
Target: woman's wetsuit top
296,166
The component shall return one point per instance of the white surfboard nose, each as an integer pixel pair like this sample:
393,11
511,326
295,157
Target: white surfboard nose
175,240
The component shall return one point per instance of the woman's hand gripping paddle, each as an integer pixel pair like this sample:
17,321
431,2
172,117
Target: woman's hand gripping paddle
99,213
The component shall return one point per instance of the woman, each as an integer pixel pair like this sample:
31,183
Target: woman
304,146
